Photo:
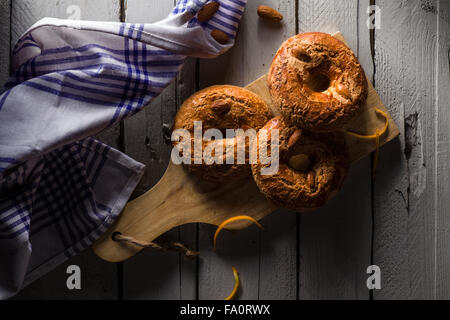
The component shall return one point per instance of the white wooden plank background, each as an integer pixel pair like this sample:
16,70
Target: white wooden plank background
335,241
405,188
443,152
323,255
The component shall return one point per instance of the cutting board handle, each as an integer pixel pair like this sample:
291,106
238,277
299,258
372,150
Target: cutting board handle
177,199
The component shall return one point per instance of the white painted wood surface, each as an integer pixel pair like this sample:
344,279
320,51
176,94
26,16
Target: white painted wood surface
406,211
335,241
443,152
320,255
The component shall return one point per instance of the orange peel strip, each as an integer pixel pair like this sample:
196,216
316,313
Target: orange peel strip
377,152
236,284
376,135
223,224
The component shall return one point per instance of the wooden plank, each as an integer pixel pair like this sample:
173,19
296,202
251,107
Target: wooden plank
266,260
5,34
404,189
335,241
156,275
188,234
26,12
99,279
364,49
278,249
443,153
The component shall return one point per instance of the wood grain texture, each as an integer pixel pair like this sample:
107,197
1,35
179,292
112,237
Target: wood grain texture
186,83
266,260
180,198
443,152
99,279
335,241
404,189
26,12
147,139
5,34
278,248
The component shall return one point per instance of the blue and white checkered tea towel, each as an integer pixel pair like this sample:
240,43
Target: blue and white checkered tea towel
59,188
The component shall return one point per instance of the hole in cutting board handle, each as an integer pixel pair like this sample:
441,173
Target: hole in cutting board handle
114,236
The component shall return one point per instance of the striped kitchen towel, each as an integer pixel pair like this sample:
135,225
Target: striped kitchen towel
60,189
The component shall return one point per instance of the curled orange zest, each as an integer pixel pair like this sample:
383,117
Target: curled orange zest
375,136
223,224
377,152
236,284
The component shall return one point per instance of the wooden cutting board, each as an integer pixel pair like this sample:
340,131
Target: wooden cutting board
180,198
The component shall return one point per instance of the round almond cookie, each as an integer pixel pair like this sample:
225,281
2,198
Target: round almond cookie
311,169
221,107
317,82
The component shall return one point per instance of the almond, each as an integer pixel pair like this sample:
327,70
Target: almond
207,11
269,13
220,107
311,179
301,54
273,124
343,91
299,162
220,36
294,138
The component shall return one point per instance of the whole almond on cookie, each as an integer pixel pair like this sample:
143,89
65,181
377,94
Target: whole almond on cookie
294,138
299,162
220,107
207,11
343,91
220,36
269,13
311,179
